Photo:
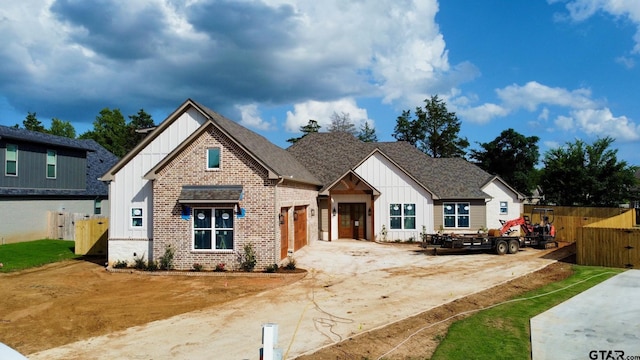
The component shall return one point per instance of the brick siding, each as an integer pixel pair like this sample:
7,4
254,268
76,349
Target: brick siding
258,227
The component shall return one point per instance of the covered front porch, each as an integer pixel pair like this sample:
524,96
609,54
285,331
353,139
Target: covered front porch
347,209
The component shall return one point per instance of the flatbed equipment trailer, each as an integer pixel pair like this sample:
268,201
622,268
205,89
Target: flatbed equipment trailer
499,244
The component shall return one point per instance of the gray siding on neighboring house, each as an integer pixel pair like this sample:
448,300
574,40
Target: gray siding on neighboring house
71,168
477,215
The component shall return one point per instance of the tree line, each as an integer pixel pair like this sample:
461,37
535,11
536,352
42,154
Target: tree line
109,129
577,173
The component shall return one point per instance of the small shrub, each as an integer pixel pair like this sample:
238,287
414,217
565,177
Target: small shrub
152,266
383,233
247,259
271,268
139,263
166,260
291,265
411,240
197,267
220,267
120,264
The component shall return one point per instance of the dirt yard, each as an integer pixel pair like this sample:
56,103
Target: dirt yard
65,302
73,300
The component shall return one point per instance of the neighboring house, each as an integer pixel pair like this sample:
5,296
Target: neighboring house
206,187
42,173
392,191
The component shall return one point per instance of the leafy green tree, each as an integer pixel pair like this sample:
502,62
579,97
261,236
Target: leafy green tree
139,121
367,133
110,131
586,175
311,127
342,123
32,123
62,128
434,130
513,157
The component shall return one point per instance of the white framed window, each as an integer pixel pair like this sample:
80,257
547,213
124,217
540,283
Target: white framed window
52,162
213,158
504,208
97,207
213,229
402,216
11,160
136,217
456,215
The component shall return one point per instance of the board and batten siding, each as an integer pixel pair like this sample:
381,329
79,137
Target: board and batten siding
501,193
71,168
129,190
395,187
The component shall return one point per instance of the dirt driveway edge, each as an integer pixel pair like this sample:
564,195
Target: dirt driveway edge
352,288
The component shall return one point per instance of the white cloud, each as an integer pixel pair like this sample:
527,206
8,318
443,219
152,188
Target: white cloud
532,94
322,111
580,10
602,122
250,117
544,114
482,114
156,53
565,123
626,61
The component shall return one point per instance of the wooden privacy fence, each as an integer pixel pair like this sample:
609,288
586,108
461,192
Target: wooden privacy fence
91,236
88,231
613,242
568,219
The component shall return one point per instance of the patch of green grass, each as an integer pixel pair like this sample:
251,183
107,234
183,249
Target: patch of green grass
502,332
30,254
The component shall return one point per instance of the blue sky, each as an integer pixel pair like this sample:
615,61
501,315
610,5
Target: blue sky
560,70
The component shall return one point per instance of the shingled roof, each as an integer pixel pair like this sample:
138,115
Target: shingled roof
277,159
329,156
99,160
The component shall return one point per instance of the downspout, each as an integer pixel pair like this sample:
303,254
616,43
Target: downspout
276,204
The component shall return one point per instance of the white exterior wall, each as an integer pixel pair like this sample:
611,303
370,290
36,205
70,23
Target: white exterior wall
129,190
499,192
26,220
395,188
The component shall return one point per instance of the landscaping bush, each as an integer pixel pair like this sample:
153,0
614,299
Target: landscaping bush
271,268
196,267
291,265
166,260
220,267
247,259
139,263
120,264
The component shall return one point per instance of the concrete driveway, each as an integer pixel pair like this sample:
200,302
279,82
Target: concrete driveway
351,287
602,322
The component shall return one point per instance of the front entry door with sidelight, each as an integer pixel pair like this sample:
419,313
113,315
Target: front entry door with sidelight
352,221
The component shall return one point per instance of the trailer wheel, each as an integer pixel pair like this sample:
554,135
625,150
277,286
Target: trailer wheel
501,247
514,246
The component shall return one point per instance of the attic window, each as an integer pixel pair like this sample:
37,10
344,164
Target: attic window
213,158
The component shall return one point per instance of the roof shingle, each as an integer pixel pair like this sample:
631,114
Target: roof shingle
330,155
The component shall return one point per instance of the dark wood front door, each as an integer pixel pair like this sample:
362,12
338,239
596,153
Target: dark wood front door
352,221
299,227
284,232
